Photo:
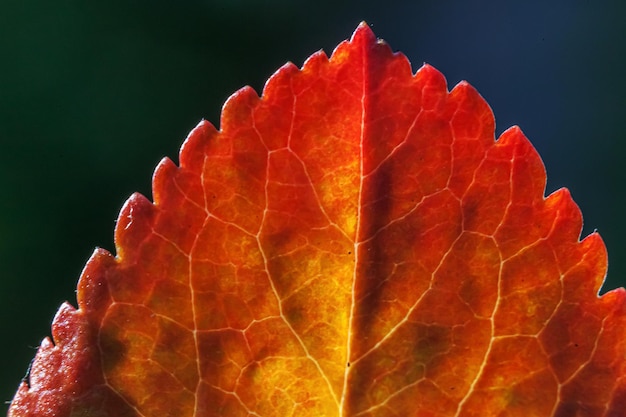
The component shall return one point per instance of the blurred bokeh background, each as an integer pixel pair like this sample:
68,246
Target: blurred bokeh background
94,94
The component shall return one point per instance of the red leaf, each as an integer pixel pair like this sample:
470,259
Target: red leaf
352,243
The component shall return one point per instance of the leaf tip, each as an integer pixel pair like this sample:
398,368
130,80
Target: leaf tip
363,33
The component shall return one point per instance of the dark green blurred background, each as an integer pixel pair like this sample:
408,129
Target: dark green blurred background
94,94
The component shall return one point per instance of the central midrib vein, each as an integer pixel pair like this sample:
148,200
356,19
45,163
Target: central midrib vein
357,243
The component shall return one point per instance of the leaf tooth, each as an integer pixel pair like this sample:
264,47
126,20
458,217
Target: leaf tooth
133,226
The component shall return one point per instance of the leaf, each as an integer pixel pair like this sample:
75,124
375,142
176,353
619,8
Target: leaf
352,243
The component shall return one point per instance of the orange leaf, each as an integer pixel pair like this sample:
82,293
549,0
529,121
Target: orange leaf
352,243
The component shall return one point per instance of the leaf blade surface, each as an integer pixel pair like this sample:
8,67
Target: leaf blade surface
354,242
